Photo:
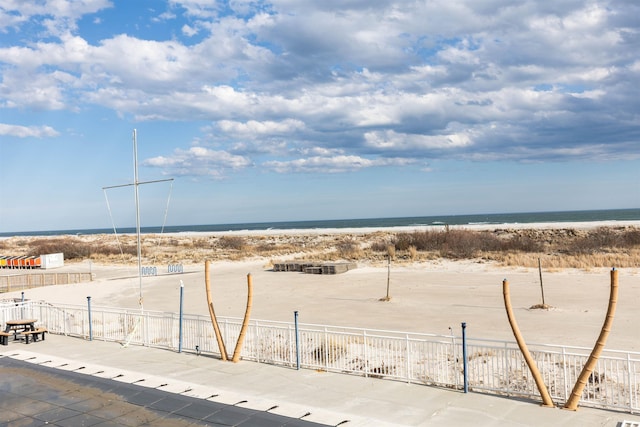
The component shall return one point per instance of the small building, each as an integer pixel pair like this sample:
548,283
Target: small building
52,260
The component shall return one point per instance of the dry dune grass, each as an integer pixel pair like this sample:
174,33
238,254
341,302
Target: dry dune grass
557,248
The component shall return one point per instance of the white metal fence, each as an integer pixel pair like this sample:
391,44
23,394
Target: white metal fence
495,367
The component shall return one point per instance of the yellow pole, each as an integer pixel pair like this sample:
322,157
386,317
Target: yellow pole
576,393
214,320
542,388
245,322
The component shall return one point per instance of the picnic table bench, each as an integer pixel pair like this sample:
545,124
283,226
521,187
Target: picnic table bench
22,327
34,334
4,337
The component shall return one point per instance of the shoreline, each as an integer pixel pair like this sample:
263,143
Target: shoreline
409,228
545,220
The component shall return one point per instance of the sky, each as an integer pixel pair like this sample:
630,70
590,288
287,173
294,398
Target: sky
287,110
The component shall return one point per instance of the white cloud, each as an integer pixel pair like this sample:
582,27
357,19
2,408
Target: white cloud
27,131
334,164
199,161
392,141
255,128
189,31
201,9
348,83
61,15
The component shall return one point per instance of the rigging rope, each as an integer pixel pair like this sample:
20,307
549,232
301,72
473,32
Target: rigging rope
113,224
166,210
164,221
115,232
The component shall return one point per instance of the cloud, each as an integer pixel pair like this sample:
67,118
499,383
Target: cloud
57,16
199,161
334,164
256,128
336,86
27,131
189,31
390,140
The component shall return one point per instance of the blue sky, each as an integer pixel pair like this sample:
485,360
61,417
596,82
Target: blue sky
302,110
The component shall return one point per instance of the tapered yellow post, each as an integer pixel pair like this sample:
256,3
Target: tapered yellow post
214,320
542,388
576,393
245,322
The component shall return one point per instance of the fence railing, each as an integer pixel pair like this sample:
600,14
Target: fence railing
20,281
495,367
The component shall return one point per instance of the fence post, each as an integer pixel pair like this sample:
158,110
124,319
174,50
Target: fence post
454,348
565,374
325,349
146,330
408,349
226,329
257,348
632,389
295,320
180,318
465,372
90,323
366,354
507,366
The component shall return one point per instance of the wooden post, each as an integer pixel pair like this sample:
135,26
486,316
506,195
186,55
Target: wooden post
541,286
388,275
542,388
245,322
214,320
576,393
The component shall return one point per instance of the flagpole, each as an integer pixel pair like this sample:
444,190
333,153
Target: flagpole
136,183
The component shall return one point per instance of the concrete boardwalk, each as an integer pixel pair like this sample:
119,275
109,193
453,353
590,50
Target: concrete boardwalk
305,395
38,395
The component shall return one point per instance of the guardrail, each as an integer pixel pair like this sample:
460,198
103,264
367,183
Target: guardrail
492,366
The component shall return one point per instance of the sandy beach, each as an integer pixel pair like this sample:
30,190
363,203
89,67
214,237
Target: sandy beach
432,296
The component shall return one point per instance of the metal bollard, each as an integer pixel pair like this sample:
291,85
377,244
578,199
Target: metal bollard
464,358
295,317
90,323
180,319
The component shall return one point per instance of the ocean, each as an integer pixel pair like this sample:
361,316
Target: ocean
498,219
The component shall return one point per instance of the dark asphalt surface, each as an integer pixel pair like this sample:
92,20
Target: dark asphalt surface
33,395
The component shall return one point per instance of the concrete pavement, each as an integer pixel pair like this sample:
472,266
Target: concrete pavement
312,396
37,395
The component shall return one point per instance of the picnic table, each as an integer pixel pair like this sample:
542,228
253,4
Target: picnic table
22,327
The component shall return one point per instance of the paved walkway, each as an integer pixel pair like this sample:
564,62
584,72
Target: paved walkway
36,395
185,389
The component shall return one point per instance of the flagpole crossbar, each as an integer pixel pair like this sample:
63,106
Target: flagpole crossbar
138,183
